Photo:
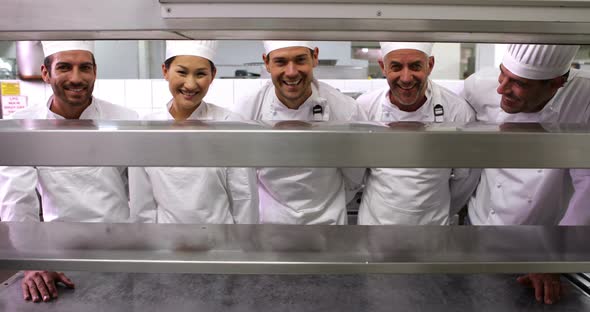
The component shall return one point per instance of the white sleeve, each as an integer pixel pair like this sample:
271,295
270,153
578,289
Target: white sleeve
18,195
353,181
243,195
463,183
578,211
354,177
142,204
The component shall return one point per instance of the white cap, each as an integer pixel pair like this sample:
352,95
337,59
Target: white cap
202,48
52,47
387,47
270,46
539,61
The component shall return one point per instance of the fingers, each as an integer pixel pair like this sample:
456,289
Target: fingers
41,287
65,280
31,289
549,294
25,288
50,283
538,285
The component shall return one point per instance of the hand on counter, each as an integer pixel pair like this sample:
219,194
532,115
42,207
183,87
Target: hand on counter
42,285
547,286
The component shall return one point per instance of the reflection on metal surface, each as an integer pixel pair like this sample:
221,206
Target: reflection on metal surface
292,249
287,144
126,292
456,20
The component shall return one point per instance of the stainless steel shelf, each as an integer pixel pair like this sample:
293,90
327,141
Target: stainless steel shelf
292,144
538,21
286,249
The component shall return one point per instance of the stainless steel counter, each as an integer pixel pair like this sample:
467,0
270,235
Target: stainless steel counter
287,249
292,144
194,292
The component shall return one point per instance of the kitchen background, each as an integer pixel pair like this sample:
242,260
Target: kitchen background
129,71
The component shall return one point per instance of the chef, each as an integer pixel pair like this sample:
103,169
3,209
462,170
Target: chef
534,83
192,195
71,194
301,195
414,195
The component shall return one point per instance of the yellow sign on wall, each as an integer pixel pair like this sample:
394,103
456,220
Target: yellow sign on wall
10,88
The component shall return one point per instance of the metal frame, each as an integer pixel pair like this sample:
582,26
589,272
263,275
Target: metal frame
285,249
426,20
292,144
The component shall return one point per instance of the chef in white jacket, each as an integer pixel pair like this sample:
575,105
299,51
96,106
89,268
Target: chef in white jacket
192,195
534,84
301,195
414,195
76,194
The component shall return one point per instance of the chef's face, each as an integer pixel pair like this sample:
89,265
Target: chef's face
407,72
522,95
189,78
291,70
71,75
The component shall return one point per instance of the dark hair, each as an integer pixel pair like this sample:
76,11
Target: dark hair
310,51
169,61
49,60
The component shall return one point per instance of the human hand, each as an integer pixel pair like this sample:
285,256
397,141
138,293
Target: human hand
547,286
37,285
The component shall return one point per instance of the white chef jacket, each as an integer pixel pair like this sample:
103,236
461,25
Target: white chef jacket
194,195
77,194
305,195
412,196
527,196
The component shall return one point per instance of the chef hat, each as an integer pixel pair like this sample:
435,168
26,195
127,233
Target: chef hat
270,46
539,61
52,47
387,47
202,48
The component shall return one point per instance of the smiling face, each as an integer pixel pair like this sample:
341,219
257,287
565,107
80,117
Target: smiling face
522,95
189,78
71,75
407,72
291,70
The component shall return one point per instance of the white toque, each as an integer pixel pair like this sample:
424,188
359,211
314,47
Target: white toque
203,48
539,61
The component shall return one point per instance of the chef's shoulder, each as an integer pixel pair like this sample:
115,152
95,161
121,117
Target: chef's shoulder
342,106
115,112
248,106
458,108
371,100
479,89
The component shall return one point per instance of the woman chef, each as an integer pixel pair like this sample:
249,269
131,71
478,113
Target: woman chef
192,195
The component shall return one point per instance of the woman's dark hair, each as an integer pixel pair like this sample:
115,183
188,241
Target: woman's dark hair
169,61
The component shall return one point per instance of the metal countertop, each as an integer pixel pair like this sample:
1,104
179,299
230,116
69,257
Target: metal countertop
196,292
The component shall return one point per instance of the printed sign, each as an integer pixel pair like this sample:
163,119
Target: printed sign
10,88
11,104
